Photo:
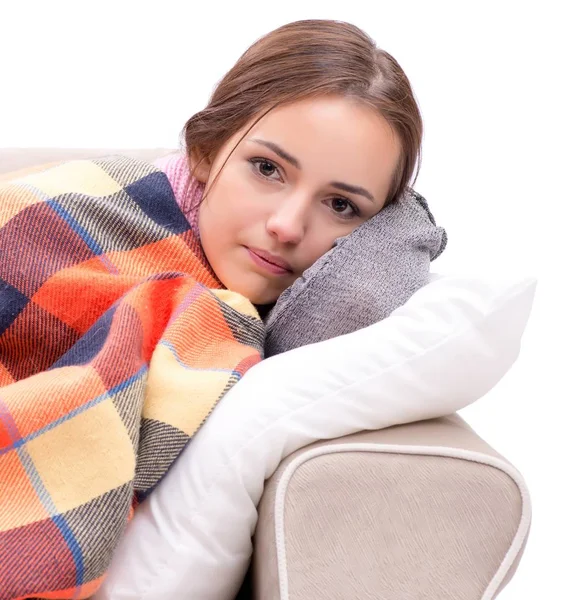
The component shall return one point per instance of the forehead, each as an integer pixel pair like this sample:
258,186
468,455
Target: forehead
333,137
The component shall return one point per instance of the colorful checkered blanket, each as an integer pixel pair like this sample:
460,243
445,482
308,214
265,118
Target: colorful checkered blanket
116,342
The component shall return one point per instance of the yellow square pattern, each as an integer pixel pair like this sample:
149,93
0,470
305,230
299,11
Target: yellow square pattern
84,457
178,396
237,302
78,176
15,197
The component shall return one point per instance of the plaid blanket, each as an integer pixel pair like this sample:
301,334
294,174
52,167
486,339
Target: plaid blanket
116,342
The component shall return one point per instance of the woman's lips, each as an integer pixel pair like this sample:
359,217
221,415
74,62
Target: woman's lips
268,266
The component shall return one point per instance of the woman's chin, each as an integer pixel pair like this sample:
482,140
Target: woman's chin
254,291
257,287
261,298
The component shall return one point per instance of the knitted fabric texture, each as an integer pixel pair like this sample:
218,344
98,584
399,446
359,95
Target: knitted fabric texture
116,342
188,192
361,280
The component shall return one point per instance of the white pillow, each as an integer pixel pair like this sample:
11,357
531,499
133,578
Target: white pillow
448,345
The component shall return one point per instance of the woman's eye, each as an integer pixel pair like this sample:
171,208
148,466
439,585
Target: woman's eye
340,205
264,168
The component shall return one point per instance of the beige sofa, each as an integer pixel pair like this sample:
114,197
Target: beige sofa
423,511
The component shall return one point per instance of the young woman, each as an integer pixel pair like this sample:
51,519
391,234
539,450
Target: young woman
310,134
124,318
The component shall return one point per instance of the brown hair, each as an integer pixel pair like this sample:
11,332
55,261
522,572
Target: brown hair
304,59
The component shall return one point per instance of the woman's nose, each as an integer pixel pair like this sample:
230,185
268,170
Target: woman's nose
288,221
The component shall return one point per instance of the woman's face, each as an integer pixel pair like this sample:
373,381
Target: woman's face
306,174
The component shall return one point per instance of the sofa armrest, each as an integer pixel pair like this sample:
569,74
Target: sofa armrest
424,510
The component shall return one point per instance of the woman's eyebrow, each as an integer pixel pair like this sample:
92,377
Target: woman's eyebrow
279,151
346,187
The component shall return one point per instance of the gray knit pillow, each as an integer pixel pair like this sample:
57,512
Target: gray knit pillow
361,280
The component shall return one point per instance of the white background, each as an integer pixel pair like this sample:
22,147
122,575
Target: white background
494,81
